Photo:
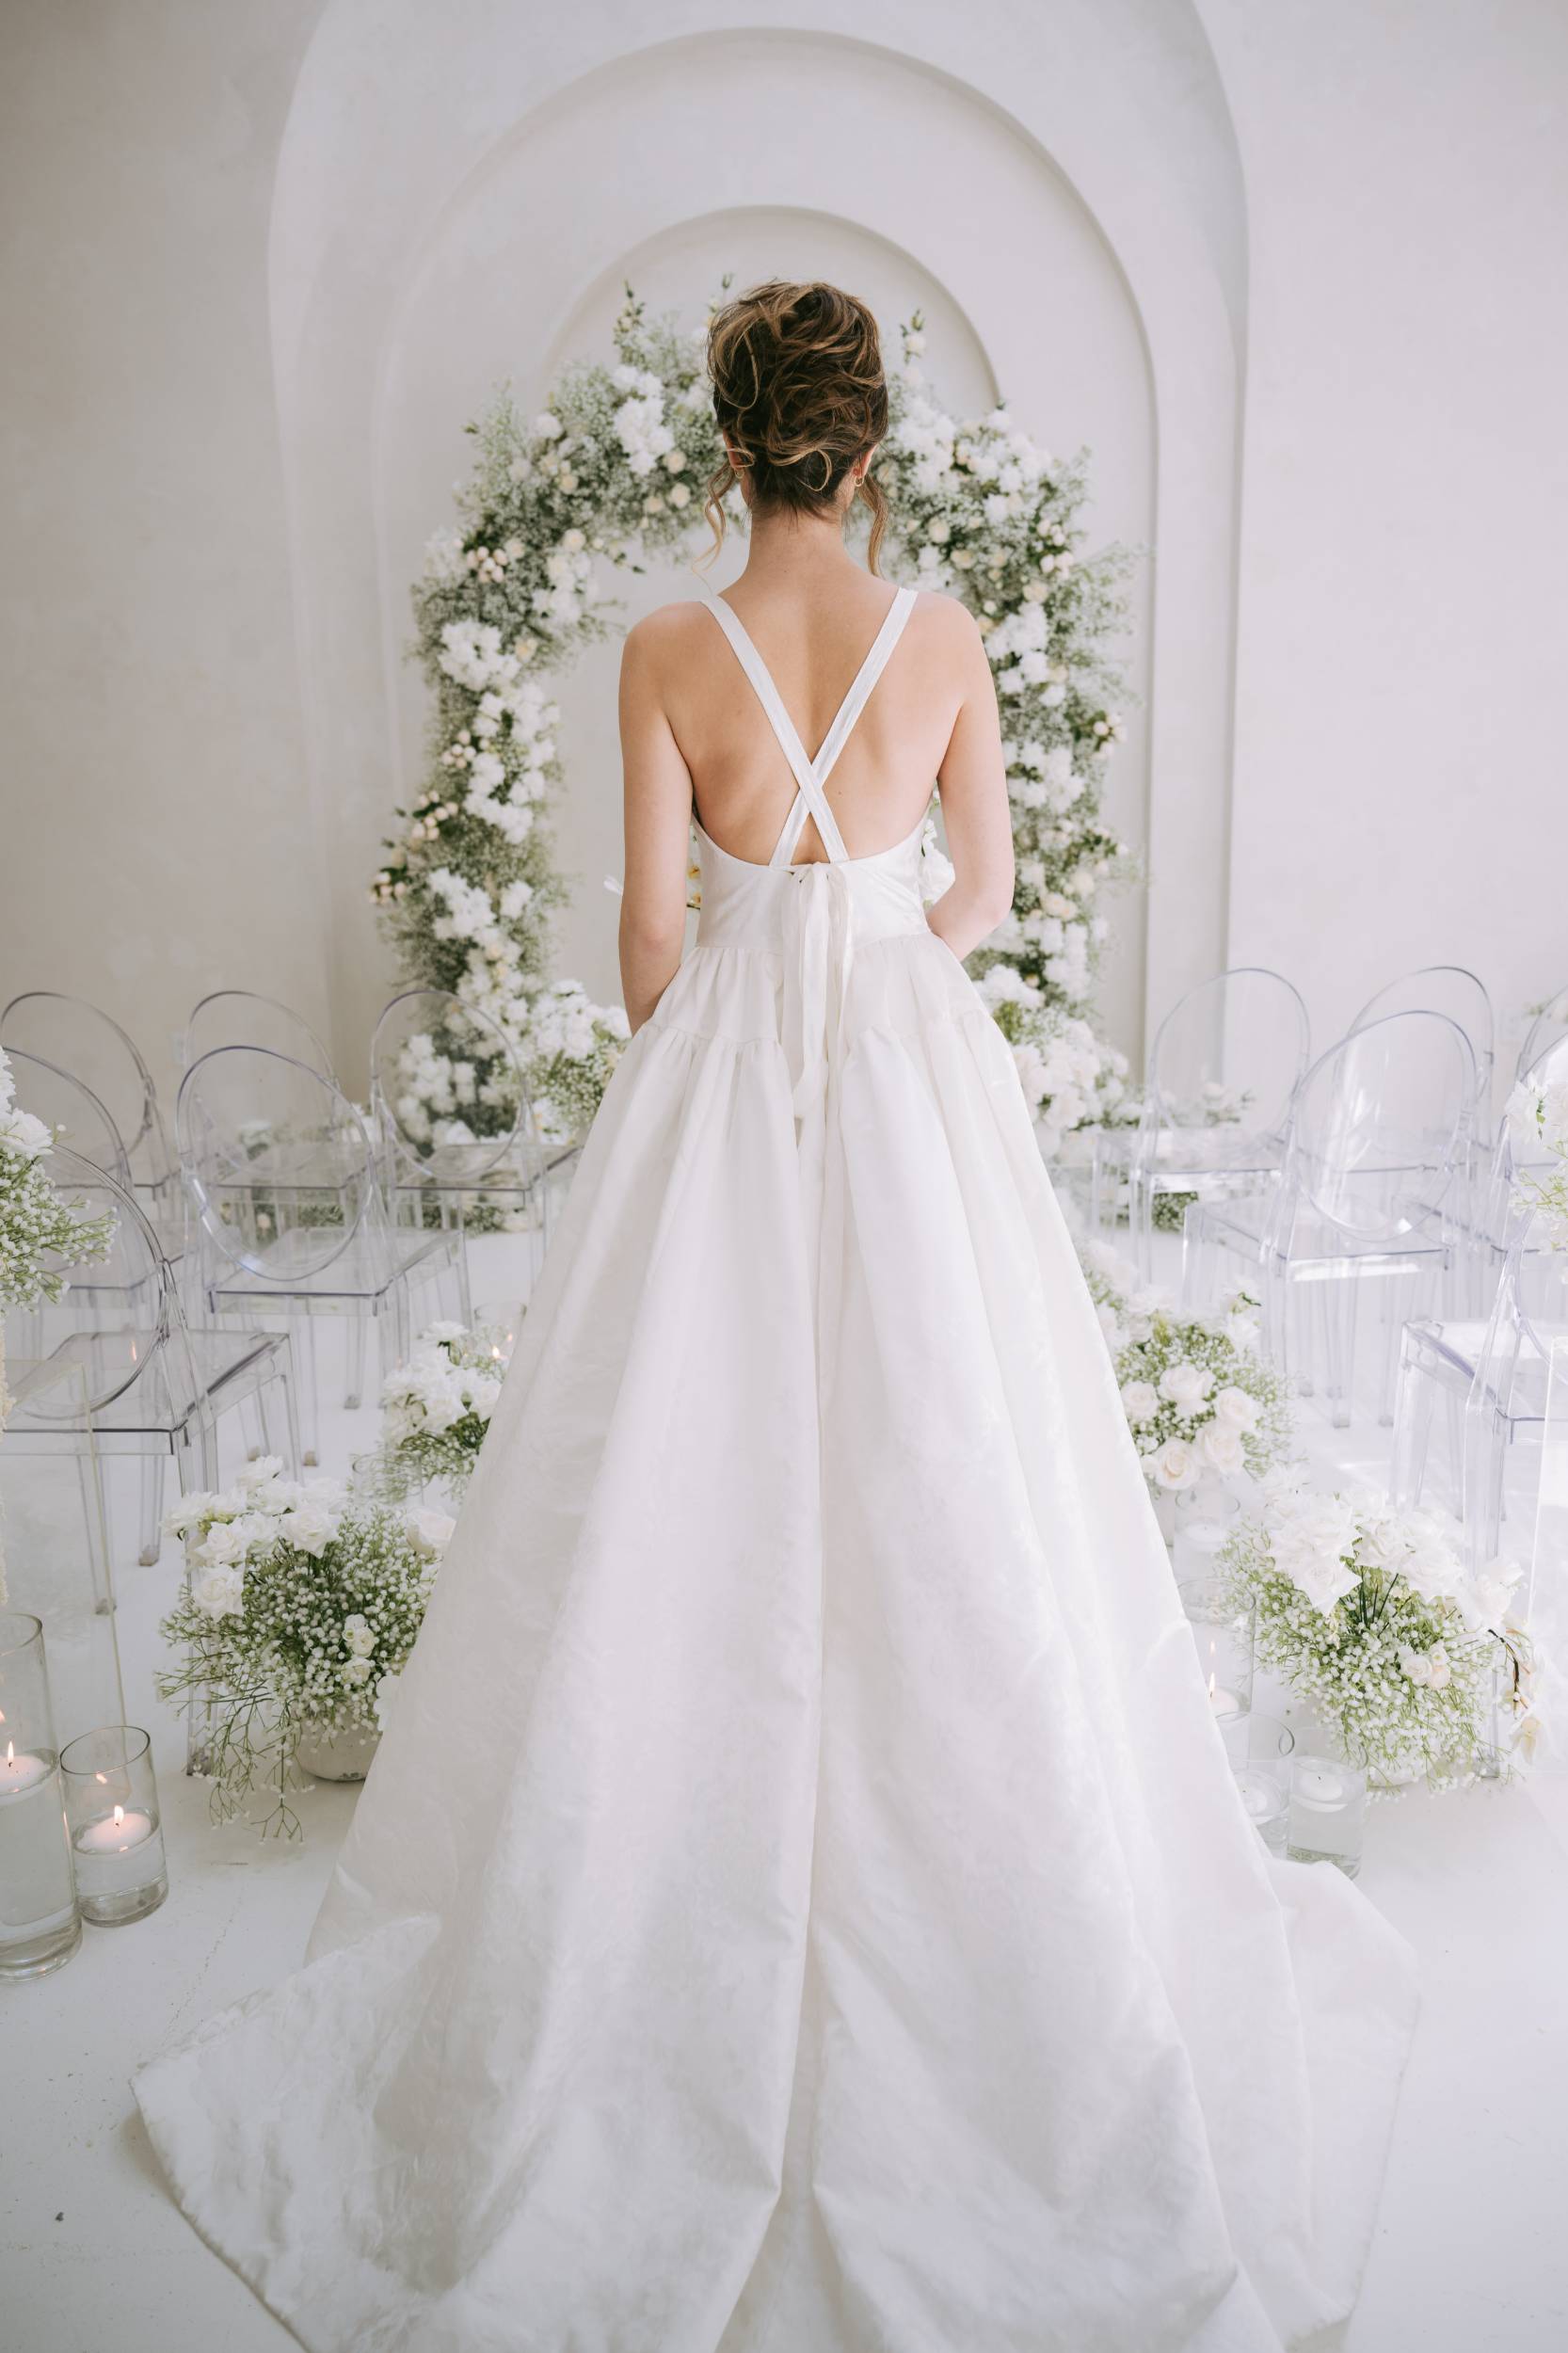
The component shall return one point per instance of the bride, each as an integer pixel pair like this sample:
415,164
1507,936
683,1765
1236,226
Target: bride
802,1904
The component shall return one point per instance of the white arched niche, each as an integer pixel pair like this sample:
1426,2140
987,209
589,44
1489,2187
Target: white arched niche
1063,340
1066,209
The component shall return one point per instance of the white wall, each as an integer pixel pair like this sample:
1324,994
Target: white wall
1401,795
261,262
159,837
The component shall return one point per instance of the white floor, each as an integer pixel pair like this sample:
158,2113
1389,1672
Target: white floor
1471,2253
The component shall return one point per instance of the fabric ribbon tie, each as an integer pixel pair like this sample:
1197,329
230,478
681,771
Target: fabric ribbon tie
818,947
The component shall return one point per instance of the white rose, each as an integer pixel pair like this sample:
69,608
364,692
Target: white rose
223,1545
308,1529
1415,1664
1174,1467
357,1670
1140,1401
431,1531
357,1635
679,494
1236,1409
1437,1663
1219,1448
1186,1385
22,1133
221,1592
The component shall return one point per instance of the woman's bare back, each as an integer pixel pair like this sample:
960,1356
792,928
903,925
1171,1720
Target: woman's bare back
813,648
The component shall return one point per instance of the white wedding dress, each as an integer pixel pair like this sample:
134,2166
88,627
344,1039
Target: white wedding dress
802,1904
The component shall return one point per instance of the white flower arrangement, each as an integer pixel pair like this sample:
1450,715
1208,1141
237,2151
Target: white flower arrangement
436,1409
606,470
1538,1123
41,1234
1370,1614
300,1607
1198,1396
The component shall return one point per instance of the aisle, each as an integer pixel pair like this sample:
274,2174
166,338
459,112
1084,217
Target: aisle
1468,2257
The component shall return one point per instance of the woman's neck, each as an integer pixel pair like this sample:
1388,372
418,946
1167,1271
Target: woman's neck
791,550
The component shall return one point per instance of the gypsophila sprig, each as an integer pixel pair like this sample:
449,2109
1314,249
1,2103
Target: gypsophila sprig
1538,1125
436,1409
300,1607
43,1235
1370,1614
1198,1395
604,475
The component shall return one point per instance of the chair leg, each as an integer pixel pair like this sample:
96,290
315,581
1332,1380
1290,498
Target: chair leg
1415,1399
253,1428
152,1508
1336,1314
302,1334
1399,1307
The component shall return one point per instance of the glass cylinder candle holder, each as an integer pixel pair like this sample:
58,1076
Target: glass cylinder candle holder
1328,1809
1206,1516
40,1926
1223,1635
117,1840
1260,1749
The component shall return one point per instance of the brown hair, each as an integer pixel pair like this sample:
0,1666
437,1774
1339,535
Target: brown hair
799,394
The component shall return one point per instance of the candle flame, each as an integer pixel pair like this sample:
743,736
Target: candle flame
11,1751
1212,1686
103,1777
120,1818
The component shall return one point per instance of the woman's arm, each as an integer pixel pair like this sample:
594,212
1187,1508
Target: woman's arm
658,828
975,814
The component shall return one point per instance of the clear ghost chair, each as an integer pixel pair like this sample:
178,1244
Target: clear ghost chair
453,1114
80,1122
1379,1135
1492,1377
238,1016
1549,1028
1496,1194
1449,989
76,1037
287,1202
155,1386
1225,1063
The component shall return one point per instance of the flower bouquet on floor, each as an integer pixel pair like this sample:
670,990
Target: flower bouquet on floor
436,1409
1370,1615
1199,1399
300,1607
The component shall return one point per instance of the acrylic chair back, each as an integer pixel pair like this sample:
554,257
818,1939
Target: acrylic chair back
450,1103
121,1318
1451,989
80,1121
238,1016
1234,1049
76,1037
279,1166
1381,1124
1510,1389
1548,1029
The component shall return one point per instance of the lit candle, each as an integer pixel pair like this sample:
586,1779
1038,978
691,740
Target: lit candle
1258,1796
117,1833
1224,1702
18,1773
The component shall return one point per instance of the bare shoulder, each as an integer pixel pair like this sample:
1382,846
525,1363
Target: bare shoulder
945,620
950,640
666,635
